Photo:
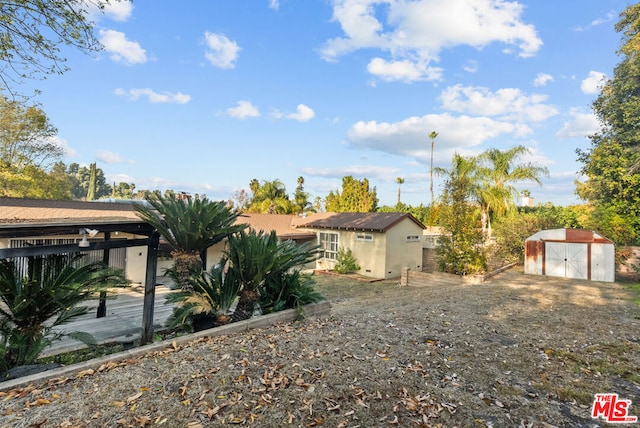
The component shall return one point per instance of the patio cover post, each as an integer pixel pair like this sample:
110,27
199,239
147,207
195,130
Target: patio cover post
150,289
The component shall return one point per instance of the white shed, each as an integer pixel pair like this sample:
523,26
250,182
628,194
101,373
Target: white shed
570,253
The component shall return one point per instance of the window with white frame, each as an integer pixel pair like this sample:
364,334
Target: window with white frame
413,238
367,237
328,242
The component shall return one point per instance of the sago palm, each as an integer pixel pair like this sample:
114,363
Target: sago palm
212,296
190,227
45,296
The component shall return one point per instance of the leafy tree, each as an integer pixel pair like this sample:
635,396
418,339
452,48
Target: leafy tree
356,196
81,178
190,226
26,136
612,164
497,170
461,248
33,32
123,190
51,289
270,197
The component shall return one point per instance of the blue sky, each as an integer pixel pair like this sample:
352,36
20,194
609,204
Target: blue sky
203,96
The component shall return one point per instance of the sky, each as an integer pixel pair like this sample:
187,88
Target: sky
203,96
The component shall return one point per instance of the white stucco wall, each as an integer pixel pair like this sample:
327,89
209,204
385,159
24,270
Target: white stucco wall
400,252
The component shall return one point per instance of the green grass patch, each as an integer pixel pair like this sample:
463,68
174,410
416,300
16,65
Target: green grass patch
635,292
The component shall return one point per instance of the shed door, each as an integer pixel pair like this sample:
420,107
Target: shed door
566,260
603,262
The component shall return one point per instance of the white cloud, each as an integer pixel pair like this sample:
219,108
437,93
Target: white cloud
405,70
471,66
581,125
121,49
542,79
244,109
110,157
417,31
154,97
115,10
593,83
409,137
221,52
64,145
506,103
274,4
369,171
119,10
302,114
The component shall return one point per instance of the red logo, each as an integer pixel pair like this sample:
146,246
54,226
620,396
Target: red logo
612,409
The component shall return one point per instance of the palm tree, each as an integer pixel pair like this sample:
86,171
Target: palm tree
51,289
271,197
432,135
498,170
400,182
190,226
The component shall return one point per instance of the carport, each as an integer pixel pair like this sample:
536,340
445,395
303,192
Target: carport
570,253
144,235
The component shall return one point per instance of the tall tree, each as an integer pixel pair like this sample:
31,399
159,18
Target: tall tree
612,163
80,178
460,249
400,182
33,32
91,191
432,136
497,171
301,199
356,196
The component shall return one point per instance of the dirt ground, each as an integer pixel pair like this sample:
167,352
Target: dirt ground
518,351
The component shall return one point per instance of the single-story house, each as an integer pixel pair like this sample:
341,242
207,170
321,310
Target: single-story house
382,243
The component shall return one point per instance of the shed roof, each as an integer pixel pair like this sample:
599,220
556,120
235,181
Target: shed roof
569,235
374,222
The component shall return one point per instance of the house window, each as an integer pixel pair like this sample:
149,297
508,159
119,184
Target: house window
328,245
413,238
367,237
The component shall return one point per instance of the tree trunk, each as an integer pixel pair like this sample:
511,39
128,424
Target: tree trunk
186,265
246,305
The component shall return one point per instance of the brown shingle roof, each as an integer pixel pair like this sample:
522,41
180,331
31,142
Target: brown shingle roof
375,222
281,223
26,211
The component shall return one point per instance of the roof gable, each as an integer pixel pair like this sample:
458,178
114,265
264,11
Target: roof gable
282,224
375,222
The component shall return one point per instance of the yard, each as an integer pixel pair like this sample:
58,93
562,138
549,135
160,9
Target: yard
517,351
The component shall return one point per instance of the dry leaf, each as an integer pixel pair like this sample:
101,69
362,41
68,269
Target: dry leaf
134,397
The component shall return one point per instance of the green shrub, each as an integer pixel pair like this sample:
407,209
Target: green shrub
346,262
47,295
